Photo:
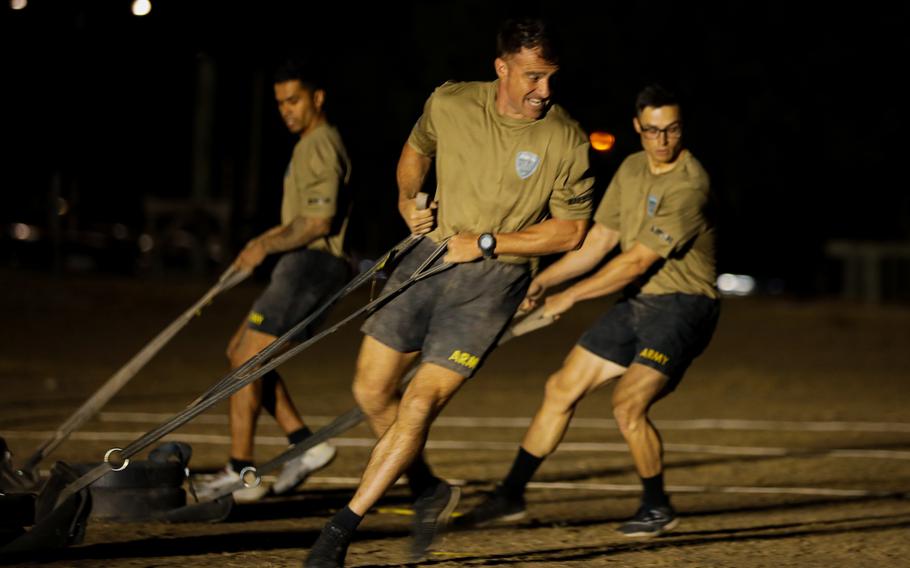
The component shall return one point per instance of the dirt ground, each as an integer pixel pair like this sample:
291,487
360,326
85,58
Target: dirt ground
788,443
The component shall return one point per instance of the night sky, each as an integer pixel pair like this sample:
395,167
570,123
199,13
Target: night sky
796,111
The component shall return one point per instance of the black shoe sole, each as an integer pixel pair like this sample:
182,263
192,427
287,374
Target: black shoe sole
648,534
442,521
504,519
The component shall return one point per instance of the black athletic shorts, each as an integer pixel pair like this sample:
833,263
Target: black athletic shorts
454,317
663,331
302,280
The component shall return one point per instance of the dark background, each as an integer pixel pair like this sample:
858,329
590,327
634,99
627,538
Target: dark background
797,111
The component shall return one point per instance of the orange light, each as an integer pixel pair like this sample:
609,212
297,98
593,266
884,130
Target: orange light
602,141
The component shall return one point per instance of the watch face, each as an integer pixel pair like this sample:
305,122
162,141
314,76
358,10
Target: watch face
486,242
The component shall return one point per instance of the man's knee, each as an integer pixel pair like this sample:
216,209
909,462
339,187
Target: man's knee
372,394
627,419
379,369
374,390
562,390
246,344
247,399
630,412
433,386
233,348
416,410
234,358
581,374
635,393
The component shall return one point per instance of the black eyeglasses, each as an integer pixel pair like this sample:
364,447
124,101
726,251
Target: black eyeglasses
653,133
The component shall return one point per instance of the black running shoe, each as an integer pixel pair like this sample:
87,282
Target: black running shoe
650,521
330,548
498,506
432,511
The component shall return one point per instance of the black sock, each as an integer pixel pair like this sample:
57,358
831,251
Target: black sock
420,477
238,465
654,494
347,519
523,469
299,435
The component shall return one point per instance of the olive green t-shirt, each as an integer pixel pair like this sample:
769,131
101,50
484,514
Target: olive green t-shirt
669,214
499,174
314,185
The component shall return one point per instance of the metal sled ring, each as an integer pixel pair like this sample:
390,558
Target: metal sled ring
256,479
107,459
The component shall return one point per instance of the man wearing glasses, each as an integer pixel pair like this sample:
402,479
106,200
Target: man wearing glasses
656,209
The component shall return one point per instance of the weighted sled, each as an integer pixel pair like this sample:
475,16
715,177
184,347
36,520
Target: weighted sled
139,475
17,510
135,504
56,525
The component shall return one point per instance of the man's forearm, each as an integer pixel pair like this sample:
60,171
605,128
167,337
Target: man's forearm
614,276
598,242
412,172
299,232
547,237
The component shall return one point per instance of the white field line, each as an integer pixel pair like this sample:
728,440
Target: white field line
353,482
281,441
595,423
636,488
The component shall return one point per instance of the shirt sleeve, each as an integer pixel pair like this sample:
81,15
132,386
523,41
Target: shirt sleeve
573,188
608,212
318,176
423,135
679,217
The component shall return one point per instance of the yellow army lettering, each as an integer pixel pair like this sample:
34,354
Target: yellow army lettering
653,355
256,318
464,358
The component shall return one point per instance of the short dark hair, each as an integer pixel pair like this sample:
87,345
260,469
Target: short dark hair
527,33
309,75
655,95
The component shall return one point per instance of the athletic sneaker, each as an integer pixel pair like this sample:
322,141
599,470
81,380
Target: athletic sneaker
432,511
330,548
650,521
297,470
207,490
496,507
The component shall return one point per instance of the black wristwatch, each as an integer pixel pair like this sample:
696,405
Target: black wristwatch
486,242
